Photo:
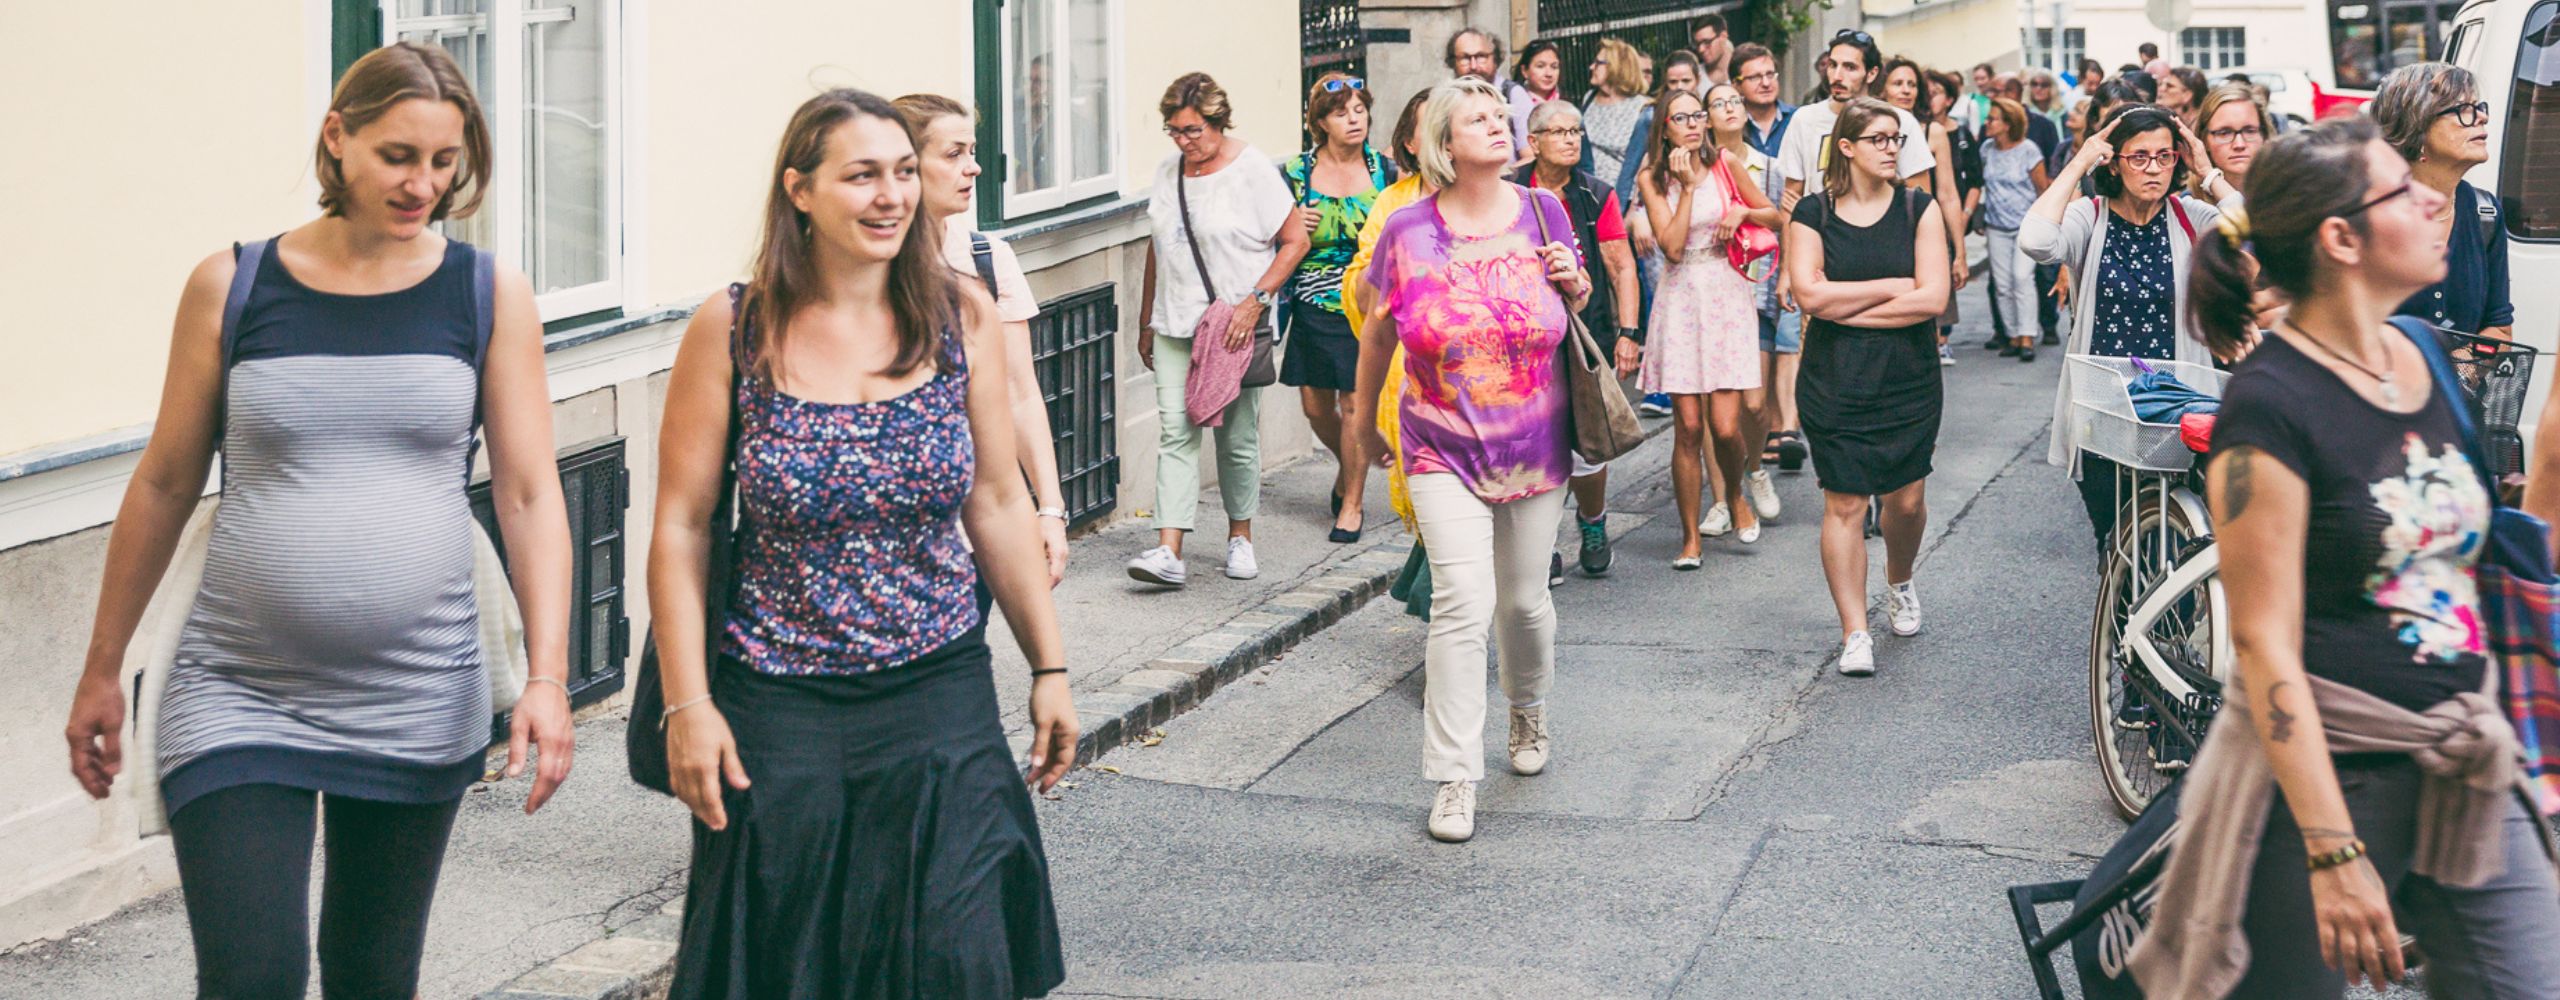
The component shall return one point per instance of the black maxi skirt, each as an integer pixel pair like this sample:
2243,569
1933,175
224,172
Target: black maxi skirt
885,848
1870,401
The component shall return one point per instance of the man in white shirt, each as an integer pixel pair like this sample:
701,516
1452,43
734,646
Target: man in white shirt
1851,66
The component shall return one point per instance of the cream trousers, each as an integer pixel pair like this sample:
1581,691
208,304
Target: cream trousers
1488,570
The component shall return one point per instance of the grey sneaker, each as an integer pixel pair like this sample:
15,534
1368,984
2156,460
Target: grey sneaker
1902,607
1530,743
1159,566
1453,812
1858,655
1596,555
1240,564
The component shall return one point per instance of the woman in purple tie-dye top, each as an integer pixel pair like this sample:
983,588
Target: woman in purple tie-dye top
1465,283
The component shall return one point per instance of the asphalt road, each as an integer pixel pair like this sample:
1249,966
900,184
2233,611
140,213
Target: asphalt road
1725,817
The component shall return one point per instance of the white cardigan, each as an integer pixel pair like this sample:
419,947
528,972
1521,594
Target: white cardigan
2079,241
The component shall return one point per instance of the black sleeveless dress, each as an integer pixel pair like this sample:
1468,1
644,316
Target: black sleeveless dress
1869,399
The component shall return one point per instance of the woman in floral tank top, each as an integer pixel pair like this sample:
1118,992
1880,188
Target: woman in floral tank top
1467,284
873,446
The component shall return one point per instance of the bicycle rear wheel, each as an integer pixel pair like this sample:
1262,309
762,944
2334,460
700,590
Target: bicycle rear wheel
2144,729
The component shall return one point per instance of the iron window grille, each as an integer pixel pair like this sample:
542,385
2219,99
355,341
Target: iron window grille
1654,27
1072,353
1328,42
596,483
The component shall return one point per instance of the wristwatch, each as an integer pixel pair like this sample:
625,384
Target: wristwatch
1628,333
1267,299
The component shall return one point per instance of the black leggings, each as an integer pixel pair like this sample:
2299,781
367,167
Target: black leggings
244,863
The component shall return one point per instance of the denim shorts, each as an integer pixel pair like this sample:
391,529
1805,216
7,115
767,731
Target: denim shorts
1782,333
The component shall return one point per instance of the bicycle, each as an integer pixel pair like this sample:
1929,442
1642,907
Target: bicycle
2160,640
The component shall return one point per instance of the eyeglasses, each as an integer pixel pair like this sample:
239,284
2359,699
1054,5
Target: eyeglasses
1567,131
2468,115
1688,117
1884,140
2383,197
1722,103
1340,84
2228,136
1766,74
1464,58
2147,162
1186,133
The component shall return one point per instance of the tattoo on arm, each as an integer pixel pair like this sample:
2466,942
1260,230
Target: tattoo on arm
2279,721
2236,487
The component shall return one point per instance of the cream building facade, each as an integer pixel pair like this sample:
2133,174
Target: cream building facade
633,137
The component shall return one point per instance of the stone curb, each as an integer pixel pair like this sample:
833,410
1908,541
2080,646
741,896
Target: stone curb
636,962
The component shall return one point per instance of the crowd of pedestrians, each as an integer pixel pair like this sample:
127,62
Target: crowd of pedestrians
857,468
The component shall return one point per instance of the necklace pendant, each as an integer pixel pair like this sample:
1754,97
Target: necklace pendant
2390,392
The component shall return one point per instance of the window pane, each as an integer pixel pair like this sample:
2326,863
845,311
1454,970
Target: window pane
2355,43
1032,153
461,28
567,221
2529,176
1089,34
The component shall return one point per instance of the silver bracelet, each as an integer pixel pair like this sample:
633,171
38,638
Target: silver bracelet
553,681
1057,512
673,709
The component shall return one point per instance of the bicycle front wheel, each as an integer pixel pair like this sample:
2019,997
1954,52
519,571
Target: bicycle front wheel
2146,718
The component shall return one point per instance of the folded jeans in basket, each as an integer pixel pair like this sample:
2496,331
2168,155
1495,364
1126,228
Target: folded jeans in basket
2159,398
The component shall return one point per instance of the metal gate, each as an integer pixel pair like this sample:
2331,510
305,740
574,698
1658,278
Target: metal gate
1328,40
1654,27
597,487
1071,353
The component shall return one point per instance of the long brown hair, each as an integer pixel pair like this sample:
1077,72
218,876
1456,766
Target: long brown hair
379,81
1657,157
922,296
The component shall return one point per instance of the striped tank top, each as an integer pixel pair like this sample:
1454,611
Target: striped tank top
334,643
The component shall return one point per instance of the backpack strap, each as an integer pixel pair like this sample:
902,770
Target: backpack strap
982,254
2486,209
245,259
484,319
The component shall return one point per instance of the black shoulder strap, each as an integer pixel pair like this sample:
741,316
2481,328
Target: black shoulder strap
245,259
982,254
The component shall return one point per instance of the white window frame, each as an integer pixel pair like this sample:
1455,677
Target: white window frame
1016,205
508,210
2207,57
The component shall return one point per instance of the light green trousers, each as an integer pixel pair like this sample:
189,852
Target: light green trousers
1178,446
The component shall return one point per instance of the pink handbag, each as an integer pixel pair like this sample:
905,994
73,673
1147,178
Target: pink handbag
1753,248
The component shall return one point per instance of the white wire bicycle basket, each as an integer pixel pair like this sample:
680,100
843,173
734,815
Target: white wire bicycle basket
2108,427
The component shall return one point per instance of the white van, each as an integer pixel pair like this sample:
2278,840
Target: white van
2513,47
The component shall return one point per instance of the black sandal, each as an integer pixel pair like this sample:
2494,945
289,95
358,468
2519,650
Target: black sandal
1775,450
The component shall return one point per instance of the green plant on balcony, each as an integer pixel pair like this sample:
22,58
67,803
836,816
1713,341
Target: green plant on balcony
1779,21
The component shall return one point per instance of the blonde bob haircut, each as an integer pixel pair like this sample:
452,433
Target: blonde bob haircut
1621,67
1439,122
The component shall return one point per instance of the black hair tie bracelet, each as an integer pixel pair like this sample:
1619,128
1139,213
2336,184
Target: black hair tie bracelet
1050,670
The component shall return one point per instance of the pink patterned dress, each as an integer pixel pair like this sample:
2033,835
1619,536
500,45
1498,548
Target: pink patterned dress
1705,328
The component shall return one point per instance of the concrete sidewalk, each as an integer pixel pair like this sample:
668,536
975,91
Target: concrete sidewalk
586,879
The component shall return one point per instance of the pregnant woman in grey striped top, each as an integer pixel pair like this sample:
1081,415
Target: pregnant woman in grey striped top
330,668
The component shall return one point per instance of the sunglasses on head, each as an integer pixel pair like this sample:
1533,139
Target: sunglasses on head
1853,35
1340,84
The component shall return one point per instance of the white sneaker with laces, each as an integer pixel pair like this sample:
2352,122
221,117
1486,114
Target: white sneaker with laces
1159,566
1763,494
1902,605
1718,522
1946,356
1240,564
1858,655
1453,812
1530,743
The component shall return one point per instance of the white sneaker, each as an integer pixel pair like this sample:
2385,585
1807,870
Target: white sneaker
1902,605
1946,356
1858,655
1763,494
1750,533
1718,522
1159,566
1530,743
1240,564
1453,812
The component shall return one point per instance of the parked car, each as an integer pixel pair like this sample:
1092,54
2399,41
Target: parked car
2513,47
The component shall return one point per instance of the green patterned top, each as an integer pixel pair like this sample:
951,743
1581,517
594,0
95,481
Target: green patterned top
1337,236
